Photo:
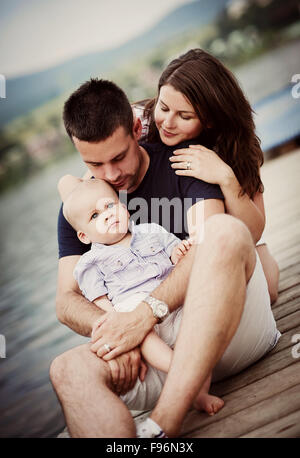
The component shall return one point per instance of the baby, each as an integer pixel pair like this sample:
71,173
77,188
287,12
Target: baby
125,264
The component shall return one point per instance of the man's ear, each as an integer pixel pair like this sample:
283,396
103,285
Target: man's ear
83,238
137,128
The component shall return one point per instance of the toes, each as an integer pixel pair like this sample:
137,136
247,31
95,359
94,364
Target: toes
210,404
217,405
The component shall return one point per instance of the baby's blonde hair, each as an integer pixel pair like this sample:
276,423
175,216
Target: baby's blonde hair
70,188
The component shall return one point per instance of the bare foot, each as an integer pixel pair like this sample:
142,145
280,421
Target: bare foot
209,403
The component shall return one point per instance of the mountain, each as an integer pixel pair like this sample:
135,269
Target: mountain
28,92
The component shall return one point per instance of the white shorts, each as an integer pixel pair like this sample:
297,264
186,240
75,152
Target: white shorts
256,335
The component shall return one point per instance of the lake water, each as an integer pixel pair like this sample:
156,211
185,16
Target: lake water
268,84
33,336
28,265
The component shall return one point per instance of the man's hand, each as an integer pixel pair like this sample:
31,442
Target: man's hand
120,331
125,369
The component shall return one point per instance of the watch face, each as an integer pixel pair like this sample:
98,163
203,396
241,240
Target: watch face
161,310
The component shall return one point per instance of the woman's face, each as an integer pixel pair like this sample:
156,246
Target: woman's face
175,117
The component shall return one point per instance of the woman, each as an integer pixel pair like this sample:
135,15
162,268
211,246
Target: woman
198,98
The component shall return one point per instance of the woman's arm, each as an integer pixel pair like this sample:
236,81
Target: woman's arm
251,212
206,165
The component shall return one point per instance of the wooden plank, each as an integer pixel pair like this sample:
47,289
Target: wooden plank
279,358
291,232
289,262
288,295
286,309
290,279
286,249
277,210
274,210
282,164
250,418
289,322
284,221
286,427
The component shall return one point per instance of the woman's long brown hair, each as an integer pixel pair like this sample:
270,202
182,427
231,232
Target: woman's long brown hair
219,103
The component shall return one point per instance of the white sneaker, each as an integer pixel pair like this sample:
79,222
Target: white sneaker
148,428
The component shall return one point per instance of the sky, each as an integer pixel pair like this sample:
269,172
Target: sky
37,34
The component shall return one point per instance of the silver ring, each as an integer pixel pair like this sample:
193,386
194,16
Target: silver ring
107,348
188,165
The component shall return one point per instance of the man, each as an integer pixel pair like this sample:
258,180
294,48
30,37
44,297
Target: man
99,120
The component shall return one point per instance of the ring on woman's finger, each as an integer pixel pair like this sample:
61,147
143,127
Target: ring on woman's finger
107,348
188,166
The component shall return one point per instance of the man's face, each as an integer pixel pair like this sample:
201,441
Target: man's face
116,160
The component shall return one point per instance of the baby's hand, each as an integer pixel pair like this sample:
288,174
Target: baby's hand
180,250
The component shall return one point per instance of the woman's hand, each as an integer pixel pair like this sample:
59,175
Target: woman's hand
202,163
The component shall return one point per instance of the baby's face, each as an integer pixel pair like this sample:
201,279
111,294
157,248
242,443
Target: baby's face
100,216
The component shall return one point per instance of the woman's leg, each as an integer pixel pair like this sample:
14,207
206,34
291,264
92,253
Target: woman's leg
271,270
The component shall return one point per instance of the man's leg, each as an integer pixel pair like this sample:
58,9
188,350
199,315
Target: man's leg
82,382
214,303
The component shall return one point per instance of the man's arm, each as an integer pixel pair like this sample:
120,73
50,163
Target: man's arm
73,309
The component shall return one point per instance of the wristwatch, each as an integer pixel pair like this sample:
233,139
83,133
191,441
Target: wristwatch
159,308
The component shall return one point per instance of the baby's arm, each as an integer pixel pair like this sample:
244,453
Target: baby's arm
156,352
104,303
180,250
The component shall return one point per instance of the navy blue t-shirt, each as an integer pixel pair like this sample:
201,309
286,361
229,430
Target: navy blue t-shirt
162,197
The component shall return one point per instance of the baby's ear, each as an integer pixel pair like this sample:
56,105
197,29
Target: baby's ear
83,238
66,185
